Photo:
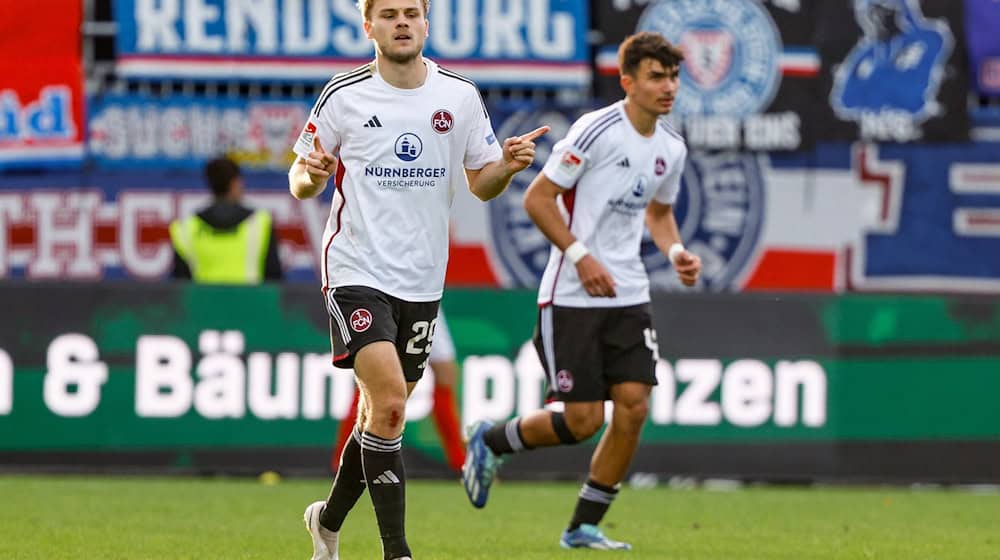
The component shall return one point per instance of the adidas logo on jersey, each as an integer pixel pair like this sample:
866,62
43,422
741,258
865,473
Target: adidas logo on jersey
388,477
373,122
623,162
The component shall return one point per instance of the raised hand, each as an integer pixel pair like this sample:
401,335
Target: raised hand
519,151
320,164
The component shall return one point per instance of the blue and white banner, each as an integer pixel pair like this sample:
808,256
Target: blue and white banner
749,76
185,132
511,42
893,70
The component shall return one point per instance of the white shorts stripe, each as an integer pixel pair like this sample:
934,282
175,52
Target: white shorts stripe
334,309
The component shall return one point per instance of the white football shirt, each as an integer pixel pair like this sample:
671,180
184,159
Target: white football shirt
403,153
612,172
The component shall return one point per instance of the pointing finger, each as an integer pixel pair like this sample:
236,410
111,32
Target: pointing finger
317,145
535,133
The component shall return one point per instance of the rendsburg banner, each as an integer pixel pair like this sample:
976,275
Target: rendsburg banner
511,42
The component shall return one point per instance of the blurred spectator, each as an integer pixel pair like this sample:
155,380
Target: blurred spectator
225,242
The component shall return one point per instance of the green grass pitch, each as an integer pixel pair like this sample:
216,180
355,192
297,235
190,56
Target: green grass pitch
96,517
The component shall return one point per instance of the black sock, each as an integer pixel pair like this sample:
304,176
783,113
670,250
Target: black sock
383,464
505,438
347,487
595,499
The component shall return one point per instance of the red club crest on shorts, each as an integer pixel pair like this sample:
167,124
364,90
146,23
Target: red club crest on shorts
361,319
442,121
564,381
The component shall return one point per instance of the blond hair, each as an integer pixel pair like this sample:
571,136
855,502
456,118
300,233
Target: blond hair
365,6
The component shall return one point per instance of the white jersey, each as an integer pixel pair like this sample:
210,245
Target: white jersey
403,153
612,172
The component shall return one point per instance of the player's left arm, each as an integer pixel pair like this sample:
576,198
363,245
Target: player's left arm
518,154
663,228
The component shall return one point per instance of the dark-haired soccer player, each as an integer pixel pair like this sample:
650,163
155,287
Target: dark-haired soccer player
617,168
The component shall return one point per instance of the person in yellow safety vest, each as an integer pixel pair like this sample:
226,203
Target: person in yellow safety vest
226,242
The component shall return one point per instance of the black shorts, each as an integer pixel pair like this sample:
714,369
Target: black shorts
587,350
360,315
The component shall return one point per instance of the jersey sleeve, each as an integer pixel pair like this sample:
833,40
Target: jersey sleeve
482,146
667,193
573,155
321,124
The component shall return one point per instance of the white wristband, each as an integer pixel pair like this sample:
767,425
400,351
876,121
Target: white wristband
576,251
675,250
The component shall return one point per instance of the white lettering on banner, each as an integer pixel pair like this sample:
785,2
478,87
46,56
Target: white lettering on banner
284,401
530,379
664,394
747,392
299,39
174,125
349,39
693,407
244,15
6,383
256,135
155,20
10,206
505,29
163,385
691,392
772,131
453,27
712,131
137,224
74,376
812,379
64,221
788,5
744,394
198,15
501,29
554,43
221,392
889,126
421,400
487,388
134,211
316,370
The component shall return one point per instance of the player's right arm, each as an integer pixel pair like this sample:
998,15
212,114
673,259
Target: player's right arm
309,174
314,165
540,203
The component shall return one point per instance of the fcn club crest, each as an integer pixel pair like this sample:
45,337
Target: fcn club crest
361,320
442,121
